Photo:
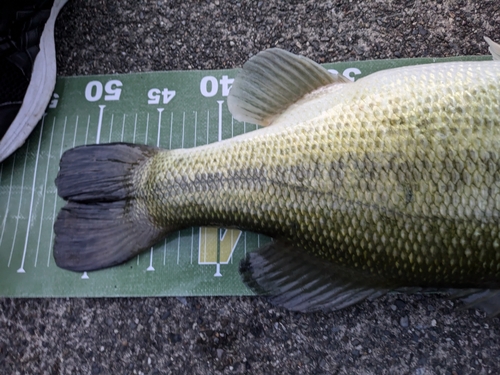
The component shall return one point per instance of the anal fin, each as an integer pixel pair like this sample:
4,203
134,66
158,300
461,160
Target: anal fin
302,282
487,300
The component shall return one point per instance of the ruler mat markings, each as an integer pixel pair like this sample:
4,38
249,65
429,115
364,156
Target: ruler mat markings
135,128
4,222
20,204
55,193
111,127
33,188
44,192
99,124
123,128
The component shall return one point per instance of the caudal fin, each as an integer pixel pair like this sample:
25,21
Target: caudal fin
104,223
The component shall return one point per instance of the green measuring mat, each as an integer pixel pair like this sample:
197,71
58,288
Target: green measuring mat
178,109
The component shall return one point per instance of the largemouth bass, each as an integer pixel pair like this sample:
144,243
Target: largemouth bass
388,183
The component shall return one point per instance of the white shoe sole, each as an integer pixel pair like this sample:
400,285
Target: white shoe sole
41,86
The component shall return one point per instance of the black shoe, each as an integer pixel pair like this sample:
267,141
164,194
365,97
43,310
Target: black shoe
27,67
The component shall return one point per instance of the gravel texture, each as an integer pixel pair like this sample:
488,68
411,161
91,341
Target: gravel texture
396,334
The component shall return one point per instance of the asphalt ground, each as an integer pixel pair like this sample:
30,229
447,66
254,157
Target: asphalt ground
396,334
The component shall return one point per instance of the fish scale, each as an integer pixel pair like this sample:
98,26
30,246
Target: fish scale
391,181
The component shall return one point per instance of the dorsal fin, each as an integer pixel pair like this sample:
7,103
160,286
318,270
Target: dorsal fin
494,48
273,80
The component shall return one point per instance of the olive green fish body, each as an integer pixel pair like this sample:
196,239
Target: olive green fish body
400,178
388,183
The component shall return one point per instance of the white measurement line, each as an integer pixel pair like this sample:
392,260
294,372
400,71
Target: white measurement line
146,141
20,203
133,141
55,194
171,126
44,191
220,102
99,123
217,270
123,128
150,268
74,138
87,132
217,265
33,186
111,126
8,198
160,110
147,128
135,128
195,126
208,125
76,128
183,126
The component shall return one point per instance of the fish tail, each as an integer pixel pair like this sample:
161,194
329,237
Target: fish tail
103,222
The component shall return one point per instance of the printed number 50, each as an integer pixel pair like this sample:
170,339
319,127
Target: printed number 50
93,91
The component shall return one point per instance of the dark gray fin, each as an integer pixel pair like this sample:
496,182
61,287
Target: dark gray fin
487,300
494,48
100,172
102,224
272,81
299,281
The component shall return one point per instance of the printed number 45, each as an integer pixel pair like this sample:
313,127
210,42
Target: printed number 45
154,96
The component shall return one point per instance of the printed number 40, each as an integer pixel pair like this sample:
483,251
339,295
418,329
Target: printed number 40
93,91
155,94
